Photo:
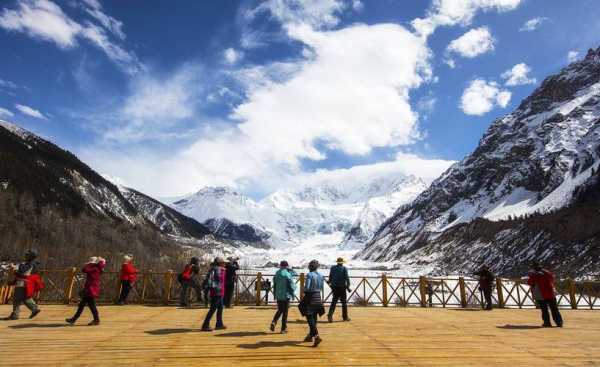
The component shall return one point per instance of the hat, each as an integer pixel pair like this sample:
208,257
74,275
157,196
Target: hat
283,264
340,260
194,260
313,265
219,260
93,260
128,257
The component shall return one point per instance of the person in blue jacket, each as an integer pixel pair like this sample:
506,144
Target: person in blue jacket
339,281
312,303
284,287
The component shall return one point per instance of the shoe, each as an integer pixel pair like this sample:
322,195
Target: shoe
283,331
94,323
206,329
272,327
221,327
347,319
11,317
308,339
318,341
559,325
330,318
70,321
546,325
35,313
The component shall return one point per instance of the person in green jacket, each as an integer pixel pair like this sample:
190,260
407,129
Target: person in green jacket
339,281
283,289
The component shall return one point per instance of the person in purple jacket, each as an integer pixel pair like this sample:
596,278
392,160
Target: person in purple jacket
91,290
216,285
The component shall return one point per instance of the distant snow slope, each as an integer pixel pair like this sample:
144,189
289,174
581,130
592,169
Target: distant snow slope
324,215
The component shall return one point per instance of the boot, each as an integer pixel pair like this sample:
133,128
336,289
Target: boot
318,341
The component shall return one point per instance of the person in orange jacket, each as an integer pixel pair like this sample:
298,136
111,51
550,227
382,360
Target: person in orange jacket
128,278
27,282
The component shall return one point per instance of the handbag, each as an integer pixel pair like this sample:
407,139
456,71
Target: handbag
303,306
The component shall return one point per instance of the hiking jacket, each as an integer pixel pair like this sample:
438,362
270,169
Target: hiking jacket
128,272
92,281
338,276
231,269
216,281
486,279
542,284
284,285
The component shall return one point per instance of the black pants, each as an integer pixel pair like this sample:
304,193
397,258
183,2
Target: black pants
91,303
229,288
125,289
185,287
339,293
487,296
216,305
282,311
312,324
553,305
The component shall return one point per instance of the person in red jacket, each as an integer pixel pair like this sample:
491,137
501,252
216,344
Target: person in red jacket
128,277
542,287
216,283
27,283
91,290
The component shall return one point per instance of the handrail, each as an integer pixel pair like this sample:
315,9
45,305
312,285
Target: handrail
62,286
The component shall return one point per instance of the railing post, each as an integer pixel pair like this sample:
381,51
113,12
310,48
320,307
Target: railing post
423,290
463,292
236,301
167,286
572,293
69,283
145,281
500,292
258,287
384,289
302,280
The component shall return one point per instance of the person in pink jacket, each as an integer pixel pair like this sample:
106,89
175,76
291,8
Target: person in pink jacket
216,285
91,290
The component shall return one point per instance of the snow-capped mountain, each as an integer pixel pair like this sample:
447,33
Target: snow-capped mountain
529,162
325,213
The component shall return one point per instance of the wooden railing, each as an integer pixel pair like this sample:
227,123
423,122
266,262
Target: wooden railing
63,286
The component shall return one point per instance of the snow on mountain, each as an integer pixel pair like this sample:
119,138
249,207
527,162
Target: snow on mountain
528,162
327,214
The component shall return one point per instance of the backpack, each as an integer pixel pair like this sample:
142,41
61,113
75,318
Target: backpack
186,275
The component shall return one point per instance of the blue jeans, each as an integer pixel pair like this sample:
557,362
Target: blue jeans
216,305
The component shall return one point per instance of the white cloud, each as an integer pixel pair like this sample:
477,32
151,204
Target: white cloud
453,12
316,13
518,75
572,56
481,96
532,24
29,111
473,43
44,20
5,112
111,24
232,56
357,5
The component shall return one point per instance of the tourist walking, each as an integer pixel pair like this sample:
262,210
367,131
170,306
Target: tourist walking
128,278
486,284
284,288
216,285
27,283
311,304
91,290
189,279
231,268
339,281
542,287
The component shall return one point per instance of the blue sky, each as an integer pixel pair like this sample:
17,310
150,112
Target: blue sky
260,95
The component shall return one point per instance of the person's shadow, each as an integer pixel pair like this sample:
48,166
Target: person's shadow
519,327
272,344
242,334
169,331
29,326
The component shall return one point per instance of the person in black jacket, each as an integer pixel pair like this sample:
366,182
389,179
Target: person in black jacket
486,284
231,268
339,281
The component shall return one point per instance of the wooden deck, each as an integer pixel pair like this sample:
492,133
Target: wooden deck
168,336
